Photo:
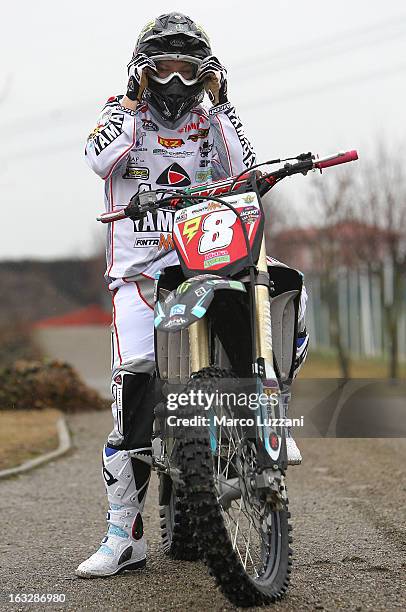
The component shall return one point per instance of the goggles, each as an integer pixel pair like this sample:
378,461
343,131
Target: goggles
169,66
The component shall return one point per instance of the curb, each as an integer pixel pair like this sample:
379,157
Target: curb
65,444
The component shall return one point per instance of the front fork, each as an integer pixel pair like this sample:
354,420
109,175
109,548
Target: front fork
199,345
272,438
264,356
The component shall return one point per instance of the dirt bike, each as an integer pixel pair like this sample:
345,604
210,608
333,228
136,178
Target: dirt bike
226,322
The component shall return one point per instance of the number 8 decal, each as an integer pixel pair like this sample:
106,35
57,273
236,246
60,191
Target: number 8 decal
217,231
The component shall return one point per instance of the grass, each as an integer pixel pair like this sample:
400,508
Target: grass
26,434
325,365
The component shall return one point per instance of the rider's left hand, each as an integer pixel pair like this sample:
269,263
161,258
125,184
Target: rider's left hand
214,76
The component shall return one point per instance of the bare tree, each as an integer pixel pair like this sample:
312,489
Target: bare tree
330,204
316,248
381,198
359,223
280,216
375,207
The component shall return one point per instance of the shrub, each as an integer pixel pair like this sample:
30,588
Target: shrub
46,384
16,342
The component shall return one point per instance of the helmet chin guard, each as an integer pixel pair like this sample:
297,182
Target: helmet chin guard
173,99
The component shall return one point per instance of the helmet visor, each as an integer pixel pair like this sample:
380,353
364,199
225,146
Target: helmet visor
169,66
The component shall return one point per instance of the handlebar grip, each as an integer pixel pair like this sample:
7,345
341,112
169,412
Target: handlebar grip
336,159
109,217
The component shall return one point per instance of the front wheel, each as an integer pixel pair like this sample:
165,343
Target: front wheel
244,540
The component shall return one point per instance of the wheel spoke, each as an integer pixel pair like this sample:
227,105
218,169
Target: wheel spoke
231,519
247,554
244,517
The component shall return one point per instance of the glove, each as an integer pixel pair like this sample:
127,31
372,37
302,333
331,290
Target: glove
138,78
214,76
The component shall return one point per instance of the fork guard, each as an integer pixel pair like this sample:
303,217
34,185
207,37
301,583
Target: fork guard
190,301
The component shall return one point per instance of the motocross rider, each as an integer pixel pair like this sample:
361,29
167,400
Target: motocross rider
156,136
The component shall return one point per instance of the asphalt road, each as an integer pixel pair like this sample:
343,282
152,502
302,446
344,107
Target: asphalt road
348,506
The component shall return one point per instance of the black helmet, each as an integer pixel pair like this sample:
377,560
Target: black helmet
174,36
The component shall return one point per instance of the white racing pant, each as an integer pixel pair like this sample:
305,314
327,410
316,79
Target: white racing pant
133,324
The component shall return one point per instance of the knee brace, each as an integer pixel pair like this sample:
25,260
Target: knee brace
135,397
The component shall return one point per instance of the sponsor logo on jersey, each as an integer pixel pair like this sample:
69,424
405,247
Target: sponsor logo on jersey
149,126
174,175
205,148
140,141
248,151
137,158
125,110
132,171
105,134
204,163
220,108
170,143
159,221
193,125
200,134
105,116
176,154
163,241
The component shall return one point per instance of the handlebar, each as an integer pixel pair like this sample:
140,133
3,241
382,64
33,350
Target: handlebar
147,201
110,217
334,160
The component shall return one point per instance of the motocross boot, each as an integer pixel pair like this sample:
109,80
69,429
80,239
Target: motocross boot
302,344
124,546
293,452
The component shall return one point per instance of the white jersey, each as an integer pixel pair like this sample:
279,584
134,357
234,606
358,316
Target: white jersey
133,152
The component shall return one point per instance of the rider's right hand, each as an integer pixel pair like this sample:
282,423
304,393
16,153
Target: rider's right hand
141,204
137,77
132,210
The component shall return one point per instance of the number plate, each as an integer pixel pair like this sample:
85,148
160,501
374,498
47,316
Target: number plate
209,236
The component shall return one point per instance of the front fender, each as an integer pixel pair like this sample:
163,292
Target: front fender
190,301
